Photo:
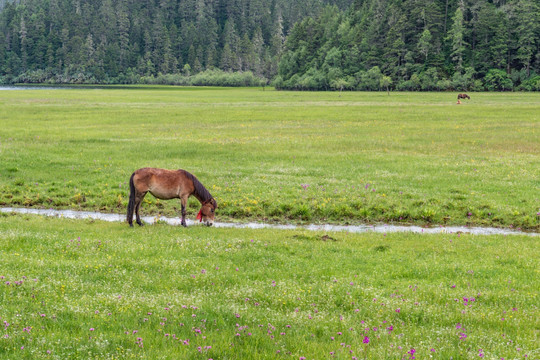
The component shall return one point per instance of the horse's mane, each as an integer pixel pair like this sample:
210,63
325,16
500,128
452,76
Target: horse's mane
200,191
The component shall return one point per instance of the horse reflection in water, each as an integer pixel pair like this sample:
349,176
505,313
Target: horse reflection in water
169,184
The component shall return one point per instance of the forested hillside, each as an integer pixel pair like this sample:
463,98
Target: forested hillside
301,44
84,40
417,45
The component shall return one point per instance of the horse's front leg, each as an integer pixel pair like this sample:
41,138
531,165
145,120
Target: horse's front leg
183,200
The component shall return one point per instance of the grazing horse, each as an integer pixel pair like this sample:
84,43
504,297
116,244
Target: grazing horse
169,184
463,96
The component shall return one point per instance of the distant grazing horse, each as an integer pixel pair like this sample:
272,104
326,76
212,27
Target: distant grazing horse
463,96
169,184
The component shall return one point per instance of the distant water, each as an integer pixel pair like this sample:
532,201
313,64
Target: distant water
69,87
383,228
30,87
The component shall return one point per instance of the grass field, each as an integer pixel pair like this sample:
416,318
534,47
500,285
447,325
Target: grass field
280,156
84,289
73,289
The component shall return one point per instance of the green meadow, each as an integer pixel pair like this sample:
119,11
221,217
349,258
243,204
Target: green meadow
81,289
85,289
278,156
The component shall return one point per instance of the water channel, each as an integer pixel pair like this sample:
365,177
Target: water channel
380,228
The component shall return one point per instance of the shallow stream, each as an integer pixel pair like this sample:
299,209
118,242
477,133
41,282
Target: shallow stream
381,228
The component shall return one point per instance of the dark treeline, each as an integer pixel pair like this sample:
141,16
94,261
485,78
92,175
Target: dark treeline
416,45
122,40
301,44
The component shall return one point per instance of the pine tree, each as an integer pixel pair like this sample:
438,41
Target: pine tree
492,37
258,52
231,49
192,56
424,43
23,35
211,57
168,61
123,33
528,27
498,46
227,59
247,54
456,38
276,42
107,22
90,51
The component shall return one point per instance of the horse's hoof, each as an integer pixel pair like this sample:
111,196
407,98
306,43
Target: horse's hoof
130,224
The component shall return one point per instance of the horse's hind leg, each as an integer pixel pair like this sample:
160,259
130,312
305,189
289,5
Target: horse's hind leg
138,200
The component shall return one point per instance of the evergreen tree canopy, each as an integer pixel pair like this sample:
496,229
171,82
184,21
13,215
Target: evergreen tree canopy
303,44
416,45
113,41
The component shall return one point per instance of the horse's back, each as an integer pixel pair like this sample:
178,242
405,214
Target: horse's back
162,183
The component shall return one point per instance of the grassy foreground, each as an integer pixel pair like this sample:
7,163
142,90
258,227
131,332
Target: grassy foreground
83,289
280,156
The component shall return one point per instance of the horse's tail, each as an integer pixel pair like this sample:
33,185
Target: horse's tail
131,203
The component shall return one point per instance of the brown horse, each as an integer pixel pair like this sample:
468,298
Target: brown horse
463,96
169,184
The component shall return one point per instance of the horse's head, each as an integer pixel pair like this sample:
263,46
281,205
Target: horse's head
207,212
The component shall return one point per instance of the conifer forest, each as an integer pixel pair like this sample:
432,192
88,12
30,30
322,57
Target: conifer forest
410,45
